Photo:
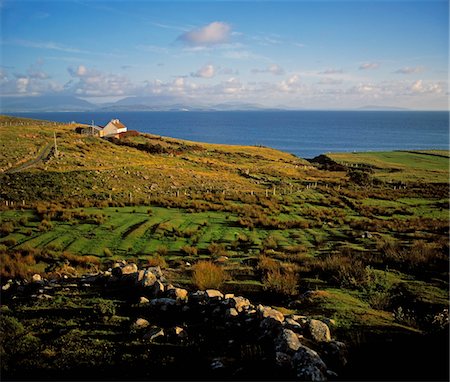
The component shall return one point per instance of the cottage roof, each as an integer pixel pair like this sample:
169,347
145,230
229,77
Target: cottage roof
118,124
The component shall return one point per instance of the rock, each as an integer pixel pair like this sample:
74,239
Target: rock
154,334
163,303
217,364
287,342
268,312
283,360
198,297
334,354
44,297
156,271
176,332
116,271
36,278
143,300
146,279
213,293
239,303
140,323
157,289
177,293
228,295
129,268
231,312
319,331
293,325
308,365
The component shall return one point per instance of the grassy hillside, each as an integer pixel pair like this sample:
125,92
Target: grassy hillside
359,237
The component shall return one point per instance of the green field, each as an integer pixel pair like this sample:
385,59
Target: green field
365,234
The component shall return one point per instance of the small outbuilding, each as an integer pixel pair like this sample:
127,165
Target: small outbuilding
113,129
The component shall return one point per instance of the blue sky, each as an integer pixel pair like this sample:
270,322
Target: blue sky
298,54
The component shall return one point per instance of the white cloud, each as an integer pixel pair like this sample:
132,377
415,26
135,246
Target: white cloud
369,66
420,87
214,33
410,70
291,84
272,69
93,83
207,71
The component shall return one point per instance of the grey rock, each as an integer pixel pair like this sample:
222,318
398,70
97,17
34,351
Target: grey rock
36,278
319,331
231,312
308,365
143,300
293,325
287,341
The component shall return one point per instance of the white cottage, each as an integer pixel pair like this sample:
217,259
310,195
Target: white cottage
113,128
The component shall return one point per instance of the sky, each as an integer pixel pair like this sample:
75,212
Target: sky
293,54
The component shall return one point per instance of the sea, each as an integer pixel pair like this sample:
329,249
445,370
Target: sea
303,133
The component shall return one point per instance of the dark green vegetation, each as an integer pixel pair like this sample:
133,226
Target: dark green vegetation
365,234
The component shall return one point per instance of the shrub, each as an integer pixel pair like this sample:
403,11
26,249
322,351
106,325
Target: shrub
45,225
156,261
281,281
105,308
207,275
217,250
10,242
188,250
162,250
6,228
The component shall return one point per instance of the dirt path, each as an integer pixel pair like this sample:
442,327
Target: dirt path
43,154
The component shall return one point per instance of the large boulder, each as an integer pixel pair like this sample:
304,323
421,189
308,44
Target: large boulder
308,365
334,353
287,342
319,331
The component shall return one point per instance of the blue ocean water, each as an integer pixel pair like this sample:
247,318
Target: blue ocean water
303,133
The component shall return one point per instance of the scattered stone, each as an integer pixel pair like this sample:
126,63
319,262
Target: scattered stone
153,334
231,312
293,325
143,300
213,293
287,341
140,323
319,331
36,278
239,303
308,365
44,297
157,289
146,278
268,312
177,293
228,295
129,268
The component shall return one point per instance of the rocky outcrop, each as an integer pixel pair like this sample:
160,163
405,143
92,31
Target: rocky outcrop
300,347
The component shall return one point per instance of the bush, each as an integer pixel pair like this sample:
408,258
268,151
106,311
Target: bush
156,261
282,281
45,225
207,275
188,250
105,308
217,250
162,250
6,228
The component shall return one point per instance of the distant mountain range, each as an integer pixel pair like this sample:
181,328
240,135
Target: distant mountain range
70,103
149,103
